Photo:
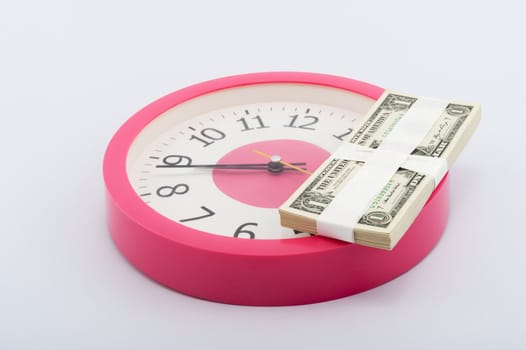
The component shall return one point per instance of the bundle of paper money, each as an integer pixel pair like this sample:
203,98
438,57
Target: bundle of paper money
395,206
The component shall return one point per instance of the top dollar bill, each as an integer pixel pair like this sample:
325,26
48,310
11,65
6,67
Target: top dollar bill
394,207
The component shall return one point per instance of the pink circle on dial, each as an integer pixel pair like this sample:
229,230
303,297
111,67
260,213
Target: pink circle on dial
262,188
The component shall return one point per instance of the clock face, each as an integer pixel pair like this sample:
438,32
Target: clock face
181,163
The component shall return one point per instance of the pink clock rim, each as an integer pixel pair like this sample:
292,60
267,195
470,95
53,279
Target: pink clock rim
121,193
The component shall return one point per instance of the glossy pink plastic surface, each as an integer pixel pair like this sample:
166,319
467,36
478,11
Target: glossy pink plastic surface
253,272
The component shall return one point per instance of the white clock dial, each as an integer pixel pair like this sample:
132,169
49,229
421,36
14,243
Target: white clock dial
240,203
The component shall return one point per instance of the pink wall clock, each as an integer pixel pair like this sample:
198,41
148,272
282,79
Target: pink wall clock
195,178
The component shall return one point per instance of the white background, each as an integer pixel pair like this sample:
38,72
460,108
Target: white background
71,73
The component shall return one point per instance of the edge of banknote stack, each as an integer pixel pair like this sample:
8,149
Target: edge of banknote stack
396,205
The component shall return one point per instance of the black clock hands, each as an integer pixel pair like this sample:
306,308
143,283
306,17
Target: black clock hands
275,164
272,166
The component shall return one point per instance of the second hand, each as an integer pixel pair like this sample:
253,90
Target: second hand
263,154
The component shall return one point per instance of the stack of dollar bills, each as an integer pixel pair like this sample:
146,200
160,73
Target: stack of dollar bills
397,204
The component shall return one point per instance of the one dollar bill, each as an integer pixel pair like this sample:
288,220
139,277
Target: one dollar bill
397,204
